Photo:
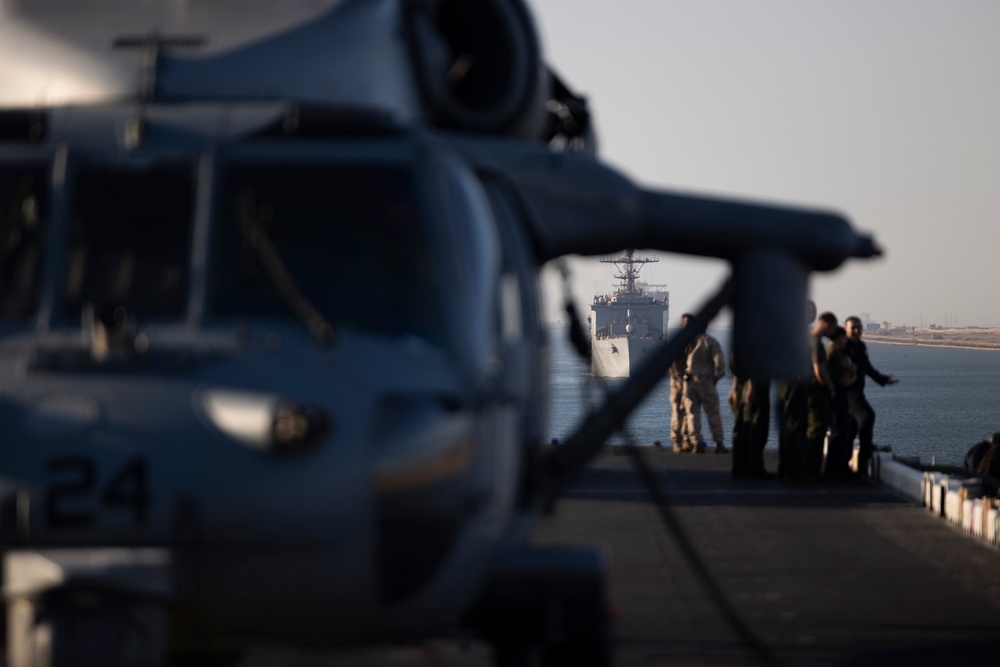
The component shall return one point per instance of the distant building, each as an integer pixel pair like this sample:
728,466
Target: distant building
871,326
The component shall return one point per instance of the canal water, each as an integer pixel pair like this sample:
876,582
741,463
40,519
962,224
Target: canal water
946,399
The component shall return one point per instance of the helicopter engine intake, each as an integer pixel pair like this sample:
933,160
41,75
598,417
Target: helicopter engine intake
478,66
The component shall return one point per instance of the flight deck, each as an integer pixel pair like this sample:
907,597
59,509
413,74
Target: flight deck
810,574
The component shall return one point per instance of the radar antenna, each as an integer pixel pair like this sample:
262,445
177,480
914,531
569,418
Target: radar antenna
628,269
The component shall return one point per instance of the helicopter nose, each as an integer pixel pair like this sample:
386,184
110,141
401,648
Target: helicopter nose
424,449
419,440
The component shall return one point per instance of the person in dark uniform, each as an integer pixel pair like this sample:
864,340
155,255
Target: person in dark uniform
983,459
862,414
984,455
819,397
842,373
751,403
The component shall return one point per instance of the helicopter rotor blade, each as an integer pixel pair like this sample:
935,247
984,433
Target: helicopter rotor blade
609,212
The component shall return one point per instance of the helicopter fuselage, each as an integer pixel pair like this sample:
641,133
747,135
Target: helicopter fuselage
357,458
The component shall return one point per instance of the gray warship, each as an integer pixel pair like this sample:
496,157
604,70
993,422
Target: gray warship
629,323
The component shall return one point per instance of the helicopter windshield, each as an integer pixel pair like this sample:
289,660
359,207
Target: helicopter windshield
130,240
23,227
343,244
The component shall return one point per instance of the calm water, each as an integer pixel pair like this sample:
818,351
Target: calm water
946,399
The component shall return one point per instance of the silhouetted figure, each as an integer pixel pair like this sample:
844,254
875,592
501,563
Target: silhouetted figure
820,396
842,373
751,403
983,459
862,414
792,406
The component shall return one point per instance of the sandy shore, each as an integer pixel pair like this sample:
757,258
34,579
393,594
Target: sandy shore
974,339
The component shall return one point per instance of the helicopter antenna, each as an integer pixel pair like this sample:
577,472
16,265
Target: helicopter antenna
152,47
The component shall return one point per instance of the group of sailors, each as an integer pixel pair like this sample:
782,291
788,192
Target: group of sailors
827,405
831,398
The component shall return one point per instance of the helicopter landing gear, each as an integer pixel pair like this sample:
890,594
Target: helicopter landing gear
86,607
551,603
84,628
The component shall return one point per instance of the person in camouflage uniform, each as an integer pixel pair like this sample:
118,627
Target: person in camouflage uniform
706,365
678,421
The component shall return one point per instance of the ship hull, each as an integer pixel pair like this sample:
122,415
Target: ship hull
619,357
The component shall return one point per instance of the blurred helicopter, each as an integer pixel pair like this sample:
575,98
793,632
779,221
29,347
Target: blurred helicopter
271,362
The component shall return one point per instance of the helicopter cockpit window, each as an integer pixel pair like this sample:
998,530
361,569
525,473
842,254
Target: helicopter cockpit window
344,242
130,241
23,228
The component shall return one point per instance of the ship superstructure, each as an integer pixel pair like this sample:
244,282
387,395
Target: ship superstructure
627,324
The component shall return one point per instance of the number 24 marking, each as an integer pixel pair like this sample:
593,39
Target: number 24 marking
128,489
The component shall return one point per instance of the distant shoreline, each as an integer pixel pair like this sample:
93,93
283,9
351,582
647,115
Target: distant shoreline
960,339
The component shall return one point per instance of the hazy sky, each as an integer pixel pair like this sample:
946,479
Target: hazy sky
886,110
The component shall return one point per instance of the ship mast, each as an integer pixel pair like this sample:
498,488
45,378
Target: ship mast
628,269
